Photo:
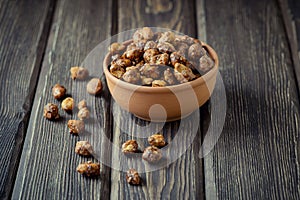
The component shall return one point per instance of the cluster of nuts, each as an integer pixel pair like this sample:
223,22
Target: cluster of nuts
159,59
83,148
151,154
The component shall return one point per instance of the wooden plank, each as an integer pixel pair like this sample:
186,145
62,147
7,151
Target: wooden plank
182,179
290,10
22,42
48,163
257,155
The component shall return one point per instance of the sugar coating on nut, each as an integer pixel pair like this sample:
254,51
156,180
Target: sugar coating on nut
182,49
146,81
134,54
132,177
115,57
51,111
183,74
150,45
162,59
169,77
79,73
89,169
67,104
166,47
196,51
116,47
76,126
143,34
157,36
116,70
140,44
131,76
58,91
149,54
159,83
131,46
83,148
157,140
150,71
94,86
152,154
136,67
81,104
184,38
175,57
168,36
130,146
83,113
206,63
122,62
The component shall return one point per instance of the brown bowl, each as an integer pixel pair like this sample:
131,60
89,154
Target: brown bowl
178,101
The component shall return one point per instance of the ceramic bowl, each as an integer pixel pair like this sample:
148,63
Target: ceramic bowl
160,104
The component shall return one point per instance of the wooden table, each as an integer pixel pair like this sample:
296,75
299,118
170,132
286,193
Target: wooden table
258,153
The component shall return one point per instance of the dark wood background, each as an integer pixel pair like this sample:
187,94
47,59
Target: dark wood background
257,155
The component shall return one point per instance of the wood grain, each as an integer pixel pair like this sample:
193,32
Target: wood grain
257,155
182,179
48,164
22,41
290,10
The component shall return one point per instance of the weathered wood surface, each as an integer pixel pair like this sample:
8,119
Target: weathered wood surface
48,164
257,155
290,10
23,37
182,179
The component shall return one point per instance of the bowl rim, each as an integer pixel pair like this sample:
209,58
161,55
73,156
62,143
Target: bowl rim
199,81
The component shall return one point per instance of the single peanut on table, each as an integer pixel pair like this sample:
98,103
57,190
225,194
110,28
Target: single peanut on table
51,111
89,169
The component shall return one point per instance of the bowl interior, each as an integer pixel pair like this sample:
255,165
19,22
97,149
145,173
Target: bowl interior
140,100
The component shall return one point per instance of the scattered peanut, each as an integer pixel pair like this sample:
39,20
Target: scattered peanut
83,148
83,113
130,146
81,104
157,140
67,104
76,126
79,73
51,111
132,177
58,91
94,86
152,154
89,169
